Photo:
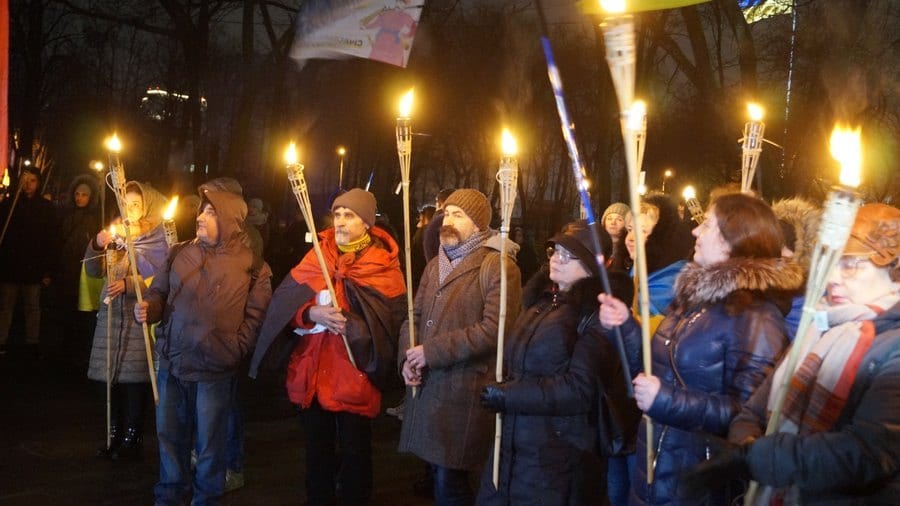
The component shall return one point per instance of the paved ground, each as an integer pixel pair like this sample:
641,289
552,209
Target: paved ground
52,418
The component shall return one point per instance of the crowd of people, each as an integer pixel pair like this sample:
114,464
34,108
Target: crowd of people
725,298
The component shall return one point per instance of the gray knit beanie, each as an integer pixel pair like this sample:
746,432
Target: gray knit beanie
360,202
619,208
474,204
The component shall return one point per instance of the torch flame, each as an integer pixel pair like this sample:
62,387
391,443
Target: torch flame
755,111
846,148
112,230
290,154
689,193
6,177
636,115
113,144
170,209
613,6
406,104
508,144
341,151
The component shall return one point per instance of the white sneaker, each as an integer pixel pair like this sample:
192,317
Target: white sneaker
396,411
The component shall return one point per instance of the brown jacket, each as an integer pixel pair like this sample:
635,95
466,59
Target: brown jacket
210,299
456,322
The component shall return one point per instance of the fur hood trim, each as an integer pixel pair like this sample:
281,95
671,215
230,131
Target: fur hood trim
697,285
804,217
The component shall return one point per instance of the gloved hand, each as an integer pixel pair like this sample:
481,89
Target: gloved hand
493,398
728,463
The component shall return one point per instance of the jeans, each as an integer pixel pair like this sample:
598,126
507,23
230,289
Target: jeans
31,306
351,465
619,471
203,406
451,487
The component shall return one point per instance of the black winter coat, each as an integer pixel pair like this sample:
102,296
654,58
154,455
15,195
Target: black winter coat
858,460
720,339
549,424
31,241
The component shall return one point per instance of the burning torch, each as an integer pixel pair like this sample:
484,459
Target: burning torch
507,176
404,151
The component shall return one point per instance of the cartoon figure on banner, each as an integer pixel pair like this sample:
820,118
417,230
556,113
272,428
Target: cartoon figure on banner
396,30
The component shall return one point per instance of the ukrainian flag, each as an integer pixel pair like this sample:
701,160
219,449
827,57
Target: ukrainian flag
757,10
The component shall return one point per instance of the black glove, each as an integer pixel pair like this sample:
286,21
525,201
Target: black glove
729,462
493,398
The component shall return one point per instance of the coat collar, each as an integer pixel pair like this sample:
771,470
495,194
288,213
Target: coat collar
697,285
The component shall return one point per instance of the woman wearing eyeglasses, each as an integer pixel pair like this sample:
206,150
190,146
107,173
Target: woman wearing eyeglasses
556,358
719,340
839,438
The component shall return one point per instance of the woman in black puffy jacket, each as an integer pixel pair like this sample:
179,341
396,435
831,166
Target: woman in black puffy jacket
556,360
719,340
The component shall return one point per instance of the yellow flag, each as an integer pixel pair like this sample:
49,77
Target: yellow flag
631,6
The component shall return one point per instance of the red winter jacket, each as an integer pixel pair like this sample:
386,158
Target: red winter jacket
370,289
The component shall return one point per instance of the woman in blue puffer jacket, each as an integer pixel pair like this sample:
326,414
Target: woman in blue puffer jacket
719,340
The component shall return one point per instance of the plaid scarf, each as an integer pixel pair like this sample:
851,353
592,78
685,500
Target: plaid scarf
451,256
821,383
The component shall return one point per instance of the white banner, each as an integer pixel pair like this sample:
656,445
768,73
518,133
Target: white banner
380,30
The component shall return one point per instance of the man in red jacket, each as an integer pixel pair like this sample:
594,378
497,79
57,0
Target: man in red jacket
338,400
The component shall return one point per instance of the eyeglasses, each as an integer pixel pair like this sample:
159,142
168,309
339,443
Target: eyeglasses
849,266
564,256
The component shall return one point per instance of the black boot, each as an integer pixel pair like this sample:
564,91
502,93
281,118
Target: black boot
106,452
131,446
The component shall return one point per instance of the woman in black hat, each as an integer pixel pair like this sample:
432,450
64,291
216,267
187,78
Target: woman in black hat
556,359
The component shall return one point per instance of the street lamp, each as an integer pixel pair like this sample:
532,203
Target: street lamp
668,174
341,152
98,166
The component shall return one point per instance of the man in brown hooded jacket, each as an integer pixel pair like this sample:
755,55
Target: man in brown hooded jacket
210,301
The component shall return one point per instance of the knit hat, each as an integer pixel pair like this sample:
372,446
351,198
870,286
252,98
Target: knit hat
474,204
875,234
360,202
619,208
576,238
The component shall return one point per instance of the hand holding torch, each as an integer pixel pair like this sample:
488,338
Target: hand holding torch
404,151
117,173
298,187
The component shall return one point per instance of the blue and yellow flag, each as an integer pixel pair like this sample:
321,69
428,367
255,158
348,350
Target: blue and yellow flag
757,10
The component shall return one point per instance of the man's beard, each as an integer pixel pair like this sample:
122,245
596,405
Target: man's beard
450,236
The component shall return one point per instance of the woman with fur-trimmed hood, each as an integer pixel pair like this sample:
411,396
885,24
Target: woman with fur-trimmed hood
720,339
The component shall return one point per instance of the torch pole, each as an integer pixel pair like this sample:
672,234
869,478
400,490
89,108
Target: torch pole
298,186
619,39
12,209
568,133
110,259
404,152
117,171
507,176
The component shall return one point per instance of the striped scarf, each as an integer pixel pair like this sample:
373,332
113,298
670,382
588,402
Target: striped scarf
451,256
